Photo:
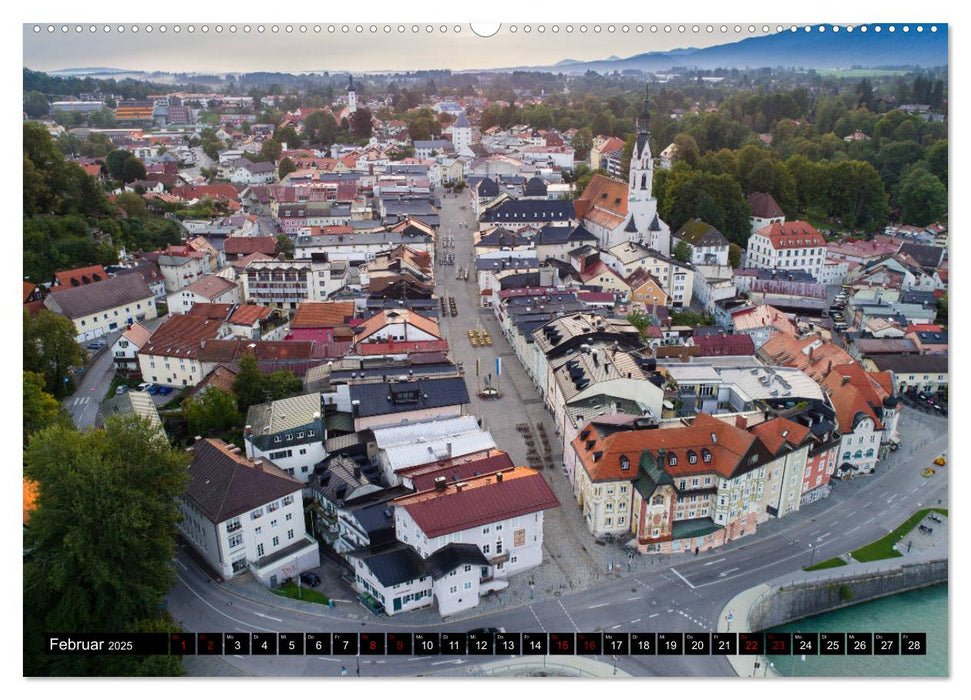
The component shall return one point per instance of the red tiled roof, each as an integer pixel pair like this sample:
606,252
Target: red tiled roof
464,467
764,206
603,193
712,345
322,314
778,431
854,391
244,245
29,288
248,314
482,500
402,347
388,317
210,286
78,276
792,234
181,336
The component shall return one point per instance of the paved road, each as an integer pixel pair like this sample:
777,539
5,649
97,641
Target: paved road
97,378
674,593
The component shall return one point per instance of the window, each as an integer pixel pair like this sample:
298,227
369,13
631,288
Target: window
300,436
258,513
289,534
258,530
259,550
311,433
235,540
486,549
624,463
233,525
453,589
485,531
467,568
276,541
499,546
468,585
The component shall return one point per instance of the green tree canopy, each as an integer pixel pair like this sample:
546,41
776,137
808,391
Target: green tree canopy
35,104
922,198
213,412
50,349
102,536
286,167
41,409
681,252
249,383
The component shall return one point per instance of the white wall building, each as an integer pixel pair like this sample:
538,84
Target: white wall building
794,245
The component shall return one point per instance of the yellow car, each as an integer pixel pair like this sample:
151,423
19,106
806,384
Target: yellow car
940,461
927,472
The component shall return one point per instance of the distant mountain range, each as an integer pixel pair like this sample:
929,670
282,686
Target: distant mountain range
800,49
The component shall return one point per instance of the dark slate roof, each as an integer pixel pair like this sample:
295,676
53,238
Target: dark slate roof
223,484
655,224
763,206
556,235
927,256
462,122
501,237
535,187
375,522
87,299
911,364
631,226
488,188
516,263
527,210
452,556
392,564
700,234
378,399
932,337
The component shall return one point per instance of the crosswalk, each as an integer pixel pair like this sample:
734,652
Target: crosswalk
80,401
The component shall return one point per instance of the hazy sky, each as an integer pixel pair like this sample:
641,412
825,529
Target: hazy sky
367,51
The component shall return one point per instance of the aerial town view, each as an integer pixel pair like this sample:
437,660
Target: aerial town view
600,351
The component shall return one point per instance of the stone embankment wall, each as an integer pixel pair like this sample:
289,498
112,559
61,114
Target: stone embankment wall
786,602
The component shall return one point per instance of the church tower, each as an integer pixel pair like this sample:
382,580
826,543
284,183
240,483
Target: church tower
351,96
644,224
641,178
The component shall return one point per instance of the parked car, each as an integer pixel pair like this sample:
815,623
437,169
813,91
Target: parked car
121,389
96,345
486,630
154,389
309,578
165,390
144,386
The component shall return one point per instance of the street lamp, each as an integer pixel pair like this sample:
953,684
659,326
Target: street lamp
812,554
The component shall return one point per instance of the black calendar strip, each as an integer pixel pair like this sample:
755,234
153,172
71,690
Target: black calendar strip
482,643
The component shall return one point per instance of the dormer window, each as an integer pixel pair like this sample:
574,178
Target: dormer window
705,455
692,457
624,463
672,459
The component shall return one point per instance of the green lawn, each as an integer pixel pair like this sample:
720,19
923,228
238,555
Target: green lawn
827,564
291,590
883,548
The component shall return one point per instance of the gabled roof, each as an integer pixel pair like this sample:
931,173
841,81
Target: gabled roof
393,563
248,314
792,235
285,414
224,484
700,234
181,336
322,314
488,188
479,501
856,393
780,431
137,334
210,286
79,276
75,302
244,245
712,345
387,317
604,193
378,399
453,555
530,210
810,355
764,206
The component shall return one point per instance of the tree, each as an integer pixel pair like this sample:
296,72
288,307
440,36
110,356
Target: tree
102,536
734,254
284,245
855,194
936,159
249,385
922,198
36,105
50,349
132,203
687,149
681,252
282,384
582,143
41,409
286,167
133,169
212,412
271,150
687,194
361,123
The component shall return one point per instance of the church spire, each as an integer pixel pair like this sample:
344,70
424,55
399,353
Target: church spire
350,83
643,118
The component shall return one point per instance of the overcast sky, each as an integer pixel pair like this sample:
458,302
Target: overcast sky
379,51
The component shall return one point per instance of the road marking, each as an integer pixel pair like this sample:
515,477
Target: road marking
237,656
634,622
192,591
598,605
636,597
815,531
867,504
849,514
715,562
654,615
451,661
820,538
184,567
726,572
565,612
853,530
869,521
615,627
537,618
268,617
324,658
676,573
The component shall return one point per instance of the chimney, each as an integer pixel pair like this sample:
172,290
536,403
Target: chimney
499,478
258,463
448,449
812,349
248,430
846,380
440,483
197,438
741,422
